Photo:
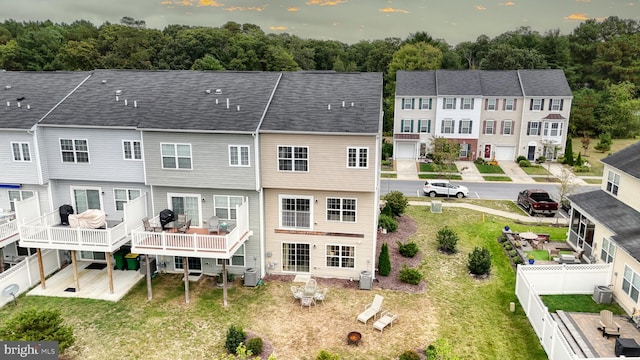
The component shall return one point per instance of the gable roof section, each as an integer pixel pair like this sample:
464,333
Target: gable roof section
169,100
326,102
415,83
626,160
543,82
39,92
458,82
500,83
613,214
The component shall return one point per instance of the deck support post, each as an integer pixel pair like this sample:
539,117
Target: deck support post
224,283
110,272
185,266
41,268
147,261
76,280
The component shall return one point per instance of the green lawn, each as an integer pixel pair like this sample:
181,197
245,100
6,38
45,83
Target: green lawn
535,170
497,178
489,169
438,168
440,176
539,254
546,179
594,157
593,181
578,303
388,175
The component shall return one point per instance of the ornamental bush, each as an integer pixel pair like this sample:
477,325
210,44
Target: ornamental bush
254,345
479,261
447,240
524,163
384,261
325,355
387,222
397,202
38,325
409,249
409,355
520,158
410,275
235,337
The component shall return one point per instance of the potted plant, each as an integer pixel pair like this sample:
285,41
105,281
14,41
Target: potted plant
531,258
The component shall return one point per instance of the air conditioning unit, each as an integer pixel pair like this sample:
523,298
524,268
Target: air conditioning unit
436,206
602,294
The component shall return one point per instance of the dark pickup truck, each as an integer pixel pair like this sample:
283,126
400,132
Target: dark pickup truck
537,201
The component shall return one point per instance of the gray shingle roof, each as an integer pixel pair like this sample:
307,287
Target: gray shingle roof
626,160
620,218
541,82
550,82
41,92
313,102
172,100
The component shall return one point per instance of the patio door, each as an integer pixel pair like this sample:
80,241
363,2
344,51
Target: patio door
295,257
187,204
195,264
86,198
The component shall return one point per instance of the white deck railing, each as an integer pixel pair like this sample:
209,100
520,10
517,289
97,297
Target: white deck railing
8,232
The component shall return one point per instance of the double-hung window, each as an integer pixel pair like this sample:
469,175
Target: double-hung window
295,212
74,150
424,125
407,103
339,209
608,251
449,103
555,105
406,125
631,283
507,127
236,260
490,127
465,126
447,126
536,105
224,206
238,155
465,149
533,128
123,196
358,157
132,149
492,104
613,182
21,151
467,103
18,195
293,158
176,156
425,103
552,129
341,256
509,104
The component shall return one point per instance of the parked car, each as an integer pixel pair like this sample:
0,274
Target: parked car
435,187
537,201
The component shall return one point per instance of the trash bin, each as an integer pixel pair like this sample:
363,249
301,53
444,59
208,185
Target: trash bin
118,256
152,264
366,280
251,277
133,261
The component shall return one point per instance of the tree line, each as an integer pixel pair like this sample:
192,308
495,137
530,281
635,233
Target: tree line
599,58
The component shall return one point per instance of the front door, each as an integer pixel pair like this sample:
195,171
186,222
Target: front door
487,151
531,155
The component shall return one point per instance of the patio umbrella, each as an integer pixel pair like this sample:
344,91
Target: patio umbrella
528,235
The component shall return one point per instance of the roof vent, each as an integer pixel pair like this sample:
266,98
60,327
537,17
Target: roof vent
125,102
343,104
216,101
208,91
104,81
238,108
135,103
7,87
8,103
218,91
117,99
118,92
352,104
28,107
328,106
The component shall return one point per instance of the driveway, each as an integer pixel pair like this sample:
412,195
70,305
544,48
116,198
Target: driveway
406,169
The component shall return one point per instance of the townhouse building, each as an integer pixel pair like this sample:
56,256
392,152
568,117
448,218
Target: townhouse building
491,114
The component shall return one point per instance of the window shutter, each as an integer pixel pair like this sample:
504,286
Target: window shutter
561,104
539,128
501,127
429,125
529,128
504,104
411,125
531,106
470,125
460,127
454,103
542,104
413,102
472,99
442,126
430,103
486,104
514,104
550,103
403,103
420,103
444,103
484,126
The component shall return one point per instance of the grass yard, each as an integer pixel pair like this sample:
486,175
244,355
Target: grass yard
594,157
432,167
473,315
578,303
535,170
539,254
440,176
388,175
593,181
497,178
546,179
489,169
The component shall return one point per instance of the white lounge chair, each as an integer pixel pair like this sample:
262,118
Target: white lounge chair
371,310
386,318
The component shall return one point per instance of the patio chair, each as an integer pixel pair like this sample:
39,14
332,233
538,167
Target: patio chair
386,318
608,325
307,301
321,295
214,222
182,218
310,287
297,293
148,227
185,227
371,310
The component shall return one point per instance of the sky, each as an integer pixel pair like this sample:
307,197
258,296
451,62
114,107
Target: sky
348,21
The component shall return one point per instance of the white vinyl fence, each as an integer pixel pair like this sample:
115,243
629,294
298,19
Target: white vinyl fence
27,274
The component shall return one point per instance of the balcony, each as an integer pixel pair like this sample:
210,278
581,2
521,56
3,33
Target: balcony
8,232
46,232
196,242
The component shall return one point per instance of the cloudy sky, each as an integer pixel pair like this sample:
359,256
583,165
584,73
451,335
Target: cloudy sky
348,21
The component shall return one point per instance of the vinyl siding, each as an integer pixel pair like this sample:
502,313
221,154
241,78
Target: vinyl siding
209,161
327,163
42,192
627,188
106,160
20,172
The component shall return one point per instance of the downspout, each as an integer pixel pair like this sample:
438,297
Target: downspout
376,202
522,122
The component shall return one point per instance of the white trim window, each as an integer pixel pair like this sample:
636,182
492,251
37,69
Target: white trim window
492,104
490,127
449,103
236,260
631,283
341,256
18,195
123,196
465,149
509,104
224,206
295,257
465,126
533,128
176,156
238,155
293,158
448,126
85,198
608,251
426,103
295,211
132,149
552,128
467,103
74,150
555,105
613,183
358,157
407,103
340,209
507,127
424,125
536,105
21,152
406,125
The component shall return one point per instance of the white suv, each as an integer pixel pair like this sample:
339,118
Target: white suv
436,187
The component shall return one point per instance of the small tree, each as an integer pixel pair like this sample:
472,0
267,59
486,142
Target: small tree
396,201
568,152
566,185
605,142
579,161
384,261
444,152
235,337
586,142
447,240
410,275
479,261
38,325
409,249
439,350
387,222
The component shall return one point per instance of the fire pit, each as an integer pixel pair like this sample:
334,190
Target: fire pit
353,338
